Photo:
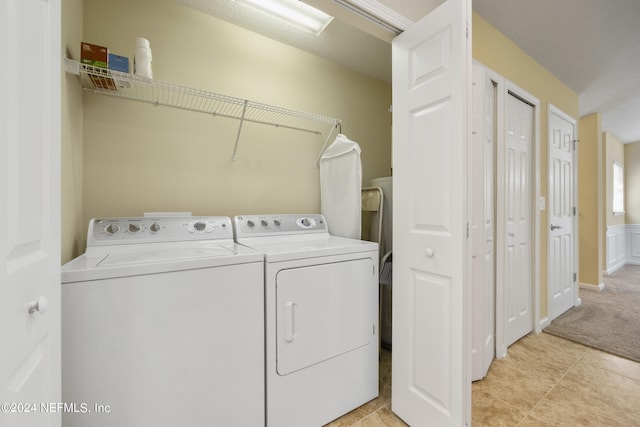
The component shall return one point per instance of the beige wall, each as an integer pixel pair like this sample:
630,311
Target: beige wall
632,182
494,50
139,157
72,222
590,200
614,150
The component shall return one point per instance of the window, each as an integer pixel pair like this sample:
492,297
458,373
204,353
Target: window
618,189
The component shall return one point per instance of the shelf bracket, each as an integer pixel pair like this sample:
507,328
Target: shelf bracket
235,148
336,125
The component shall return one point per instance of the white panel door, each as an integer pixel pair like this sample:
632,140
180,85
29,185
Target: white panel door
431,337
518,186
482,223
30,212
562,284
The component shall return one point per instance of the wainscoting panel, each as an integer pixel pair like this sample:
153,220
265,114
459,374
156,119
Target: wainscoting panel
616,247
623,246
632,232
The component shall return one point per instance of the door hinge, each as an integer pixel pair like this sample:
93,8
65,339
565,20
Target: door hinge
575,277
467,230
467,30
574,211
575,144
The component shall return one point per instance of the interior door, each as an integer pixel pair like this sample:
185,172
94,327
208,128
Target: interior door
30,213
562,268
431,110
518,186
482,223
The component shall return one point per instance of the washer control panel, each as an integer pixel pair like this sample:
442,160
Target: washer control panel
261,225
109,231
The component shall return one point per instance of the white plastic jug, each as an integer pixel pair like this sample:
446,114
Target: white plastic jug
143,58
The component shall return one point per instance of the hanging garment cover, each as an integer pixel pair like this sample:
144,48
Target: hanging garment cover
340,185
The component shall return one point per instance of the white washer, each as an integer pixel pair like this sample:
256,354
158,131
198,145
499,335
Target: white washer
163,325
321,318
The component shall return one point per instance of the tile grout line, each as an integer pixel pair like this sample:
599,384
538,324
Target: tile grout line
531,411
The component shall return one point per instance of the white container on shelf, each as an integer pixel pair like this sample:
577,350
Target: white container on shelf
143,58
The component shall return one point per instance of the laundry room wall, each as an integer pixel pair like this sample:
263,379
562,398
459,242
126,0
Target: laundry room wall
73,228
144,158
494,50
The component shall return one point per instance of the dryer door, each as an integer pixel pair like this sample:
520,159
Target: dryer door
323,311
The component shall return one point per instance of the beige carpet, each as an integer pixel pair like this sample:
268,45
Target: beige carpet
608,320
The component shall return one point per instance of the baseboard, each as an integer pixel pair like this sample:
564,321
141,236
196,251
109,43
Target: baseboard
613,268
544,323
592,287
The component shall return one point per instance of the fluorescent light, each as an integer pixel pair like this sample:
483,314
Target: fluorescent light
293,12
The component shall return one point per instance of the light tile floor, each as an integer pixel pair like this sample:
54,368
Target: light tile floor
544,381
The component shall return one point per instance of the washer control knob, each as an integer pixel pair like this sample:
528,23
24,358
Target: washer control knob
264,223
199,226
155,227
112,229
133,228
276,223
251,224
306,222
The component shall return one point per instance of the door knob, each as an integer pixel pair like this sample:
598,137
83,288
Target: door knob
40,305
429,253
555,227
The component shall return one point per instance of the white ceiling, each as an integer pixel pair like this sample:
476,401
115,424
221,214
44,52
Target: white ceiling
339,42
592,46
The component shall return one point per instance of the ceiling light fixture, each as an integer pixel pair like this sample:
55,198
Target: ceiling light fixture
293,12
377,13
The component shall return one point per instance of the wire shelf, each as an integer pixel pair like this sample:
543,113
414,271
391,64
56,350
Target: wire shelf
139,88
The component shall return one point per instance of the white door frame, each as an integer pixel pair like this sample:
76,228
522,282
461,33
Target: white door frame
504,88
552,109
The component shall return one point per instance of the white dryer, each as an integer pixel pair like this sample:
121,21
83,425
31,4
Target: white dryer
163,325
321,318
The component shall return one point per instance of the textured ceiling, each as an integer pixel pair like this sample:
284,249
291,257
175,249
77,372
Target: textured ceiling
592,46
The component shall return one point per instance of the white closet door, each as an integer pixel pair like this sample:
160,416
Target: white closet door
482,223
562,282
518,239
431,337
30,212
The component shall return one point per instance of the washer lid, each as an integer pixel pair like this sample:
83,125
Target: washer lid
163,255
135,260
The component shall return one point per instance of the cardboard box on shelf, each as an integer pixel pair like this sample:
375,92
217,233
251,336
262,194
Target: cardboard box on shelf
118,63
94,55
